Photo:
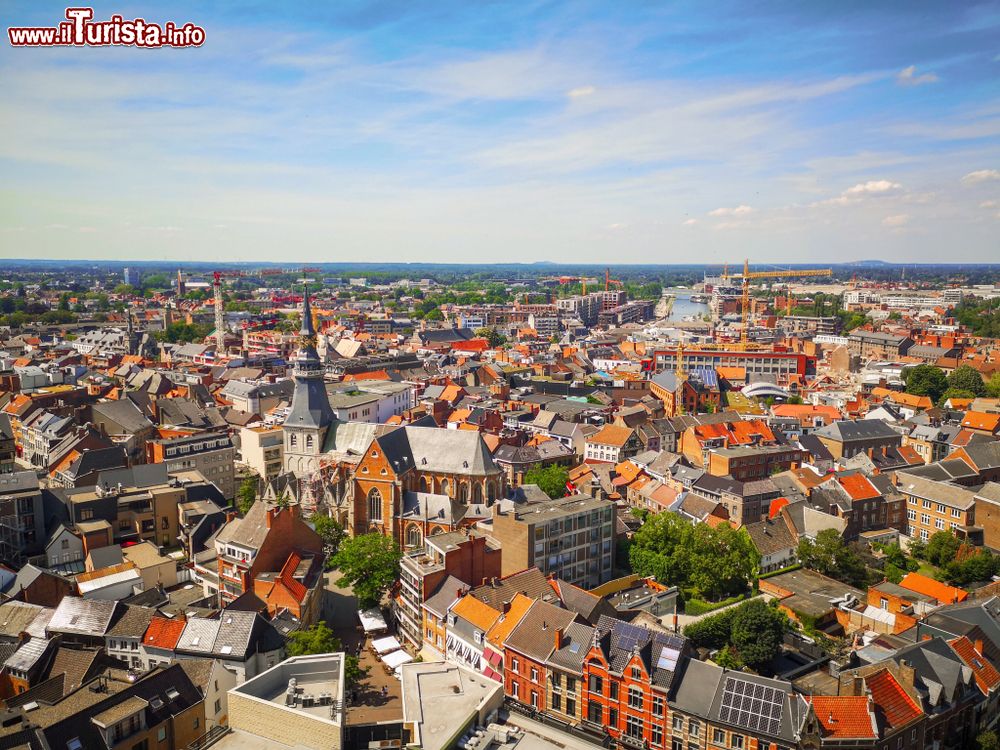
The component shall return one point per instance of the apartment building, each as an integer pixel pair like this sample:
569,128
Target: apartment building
876,345
22,518
572,538
463,559
845,439
211,454
938,506
137,504
753,462
262,449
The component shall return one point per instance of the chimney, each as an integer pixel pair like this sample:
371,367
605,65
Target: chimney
559,638
907,674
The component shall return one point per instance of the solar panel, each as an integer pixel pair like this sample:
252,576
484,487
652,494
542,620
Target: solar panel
751,705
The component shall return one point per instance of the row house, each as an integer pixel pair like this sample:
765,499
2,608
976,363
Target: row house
212,454
933,506
447,561
699,441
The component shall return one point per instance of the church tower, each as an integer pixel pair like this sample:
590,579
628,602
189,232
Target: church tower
311,416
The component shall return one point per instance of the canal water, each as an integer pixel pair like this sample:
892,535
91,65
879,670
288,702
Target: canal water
683,306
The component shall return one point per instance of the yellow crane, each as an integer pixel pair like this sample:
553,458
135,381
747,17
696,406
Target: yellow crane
776,274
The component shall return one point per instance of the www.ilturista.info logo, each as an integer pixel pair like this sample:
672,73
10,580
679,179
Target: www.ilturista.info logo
81,30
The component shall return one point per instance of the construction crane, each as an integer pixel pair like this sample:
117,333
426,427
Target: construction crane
775,274
582,279
608,281
220,318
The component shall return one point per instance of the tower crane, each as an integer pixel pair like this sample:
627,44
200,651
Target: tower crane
608,281
775,274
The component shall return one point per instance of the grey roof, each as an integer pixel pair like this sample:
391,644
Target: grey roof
16,617
941,672
199,635
697,683
79,616
789,707
18,481
534,635
104,557
133,623
862,429
28,655
446,594
940,492
236,630
437,450
125,414
576,641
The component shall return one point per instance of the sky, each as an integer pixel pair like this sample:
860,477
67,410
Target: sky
612,132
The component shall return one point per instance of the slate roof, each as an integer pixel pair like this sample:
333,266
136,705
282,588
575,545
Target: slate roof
531,582
862,429
534,635
575,645
660,652
133,623
79,616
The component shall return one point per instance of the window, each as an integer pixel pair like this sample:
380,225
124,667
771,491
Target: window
596,684
635,697
614,691
218,705
374,505
571,706
938,523
925,519
636,673
657,706
534,675
657,734
613,717
515,665
633,727
955,513
677,722
718,737
556,702
161,734
736,741
594,712
293,440
413,536
515,690
927,504
65,543
534,699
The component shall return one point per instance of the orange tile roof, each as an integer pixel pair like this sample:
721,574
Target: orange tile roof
164,632
611,434
979,420
845,716
987,676
960,403
519,607
92,575
732,373
858,487
480,614
898,707
776,505
944,593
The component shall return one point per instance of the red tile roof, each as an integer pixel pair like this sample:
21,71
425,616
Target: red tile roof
898,707
944,593
845,716
163,632
858,486
987,676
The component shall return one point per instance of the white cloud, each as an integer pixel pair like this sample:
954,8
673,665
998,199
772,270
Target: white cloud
741,210
897,220
580,91
908,77
981,175
872,187
989,204
690,222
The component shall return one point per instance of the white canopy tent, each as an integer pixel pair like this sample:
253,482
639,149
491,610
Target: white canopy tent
396,659
372,620
386,645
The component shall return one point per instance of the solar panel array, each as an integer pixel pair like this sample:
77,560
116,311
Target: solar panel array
752,706
629,636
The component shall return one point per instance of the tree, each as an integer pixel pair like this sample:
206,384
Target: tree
833,557
246,495
331,532
926,380
993,386
965,378
988,741
757,631
318,639
707,562
492,335
550,479
942,547
794,400
370,564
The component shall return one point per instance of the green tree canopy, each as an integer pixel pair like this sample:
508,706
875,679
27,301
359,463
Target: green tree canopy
833,557
965,378
941,547
331,532
318,639
926,380
492,335
710,562
246,495
749,634
370,564
993,386
550,479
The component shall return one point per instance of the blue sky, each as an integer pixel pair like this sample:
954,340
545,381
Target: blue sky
631,132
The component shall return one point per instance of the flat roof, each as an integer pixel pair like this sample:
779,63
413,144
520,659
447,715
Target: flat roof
441,699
